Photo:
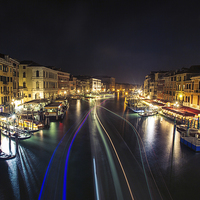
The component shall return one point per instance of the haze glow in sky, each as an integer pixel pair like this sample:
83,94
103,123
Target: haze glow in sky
114,38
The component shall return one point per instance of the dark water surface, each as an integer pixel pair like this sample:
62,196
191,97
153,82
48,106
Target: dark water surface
155,164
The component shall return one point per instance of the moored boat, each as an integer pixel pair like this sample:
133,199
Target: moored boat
22,135
183,129
5,156
55,110
148,113
137,110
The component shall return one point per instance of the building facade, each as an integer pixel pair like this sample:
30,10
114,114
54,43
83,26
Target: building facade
181,86
108,83
37,81
9,79
63,83
95,85
72,85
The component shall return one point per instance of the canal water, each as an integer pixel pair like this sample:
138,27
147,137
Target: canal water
173,168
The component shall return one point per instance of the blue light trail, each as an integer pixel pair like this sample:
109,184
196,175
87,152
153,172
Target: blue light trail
68,153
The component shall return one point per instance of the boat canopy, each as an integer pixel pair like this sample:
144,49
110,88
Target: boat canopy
35,101
53,105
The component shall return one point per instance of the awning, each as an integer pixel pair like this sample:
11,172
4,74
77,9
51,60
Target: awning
179,111
191,110
53,105
35,101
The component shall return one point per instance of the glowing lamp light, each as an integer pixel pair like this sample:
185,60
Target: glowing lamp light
13,116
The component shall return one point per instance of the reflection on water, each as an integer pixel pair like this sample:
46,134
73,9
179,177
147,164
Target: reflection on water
7,145
13,177
40,133
78,107
150,127
21,178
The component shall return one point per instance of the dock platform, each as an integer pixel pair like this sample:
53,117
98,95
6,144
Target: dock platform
4,156
191,142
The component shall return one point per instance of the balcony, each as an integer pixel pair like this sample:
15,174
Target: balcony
5,82
25,88
64,88
38,89
5,92
188,90
38,77
197,91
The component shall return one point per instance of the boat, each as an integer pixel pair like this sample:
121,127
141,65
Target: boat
55,110
22,135
148,113
137,110
5,156
136,105
193,132
183,128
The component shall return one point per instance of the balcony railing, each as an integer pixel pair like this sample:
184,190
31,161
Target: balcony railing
25,88
45,89
5,92
197,91
188,90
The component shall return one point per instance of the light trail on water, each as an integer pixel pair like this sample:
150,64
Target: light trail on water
68,154
95,178
49,165
117,186
138,137
67,158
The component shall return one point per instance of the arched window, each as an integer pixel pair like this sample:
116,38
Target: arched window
37,85
24,84
37,73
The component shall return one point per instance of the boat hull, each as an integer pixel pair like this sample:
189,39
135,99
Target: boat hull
21,136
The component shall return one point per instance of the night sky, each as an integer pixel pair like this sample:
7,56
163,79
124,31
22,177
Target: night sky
115,38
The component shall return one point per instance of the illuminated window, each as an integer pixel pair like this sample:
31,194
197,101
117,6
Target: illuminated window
37,85
24,84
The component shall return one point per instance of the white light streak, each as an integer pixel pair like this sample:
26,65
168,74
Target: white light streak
95,178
